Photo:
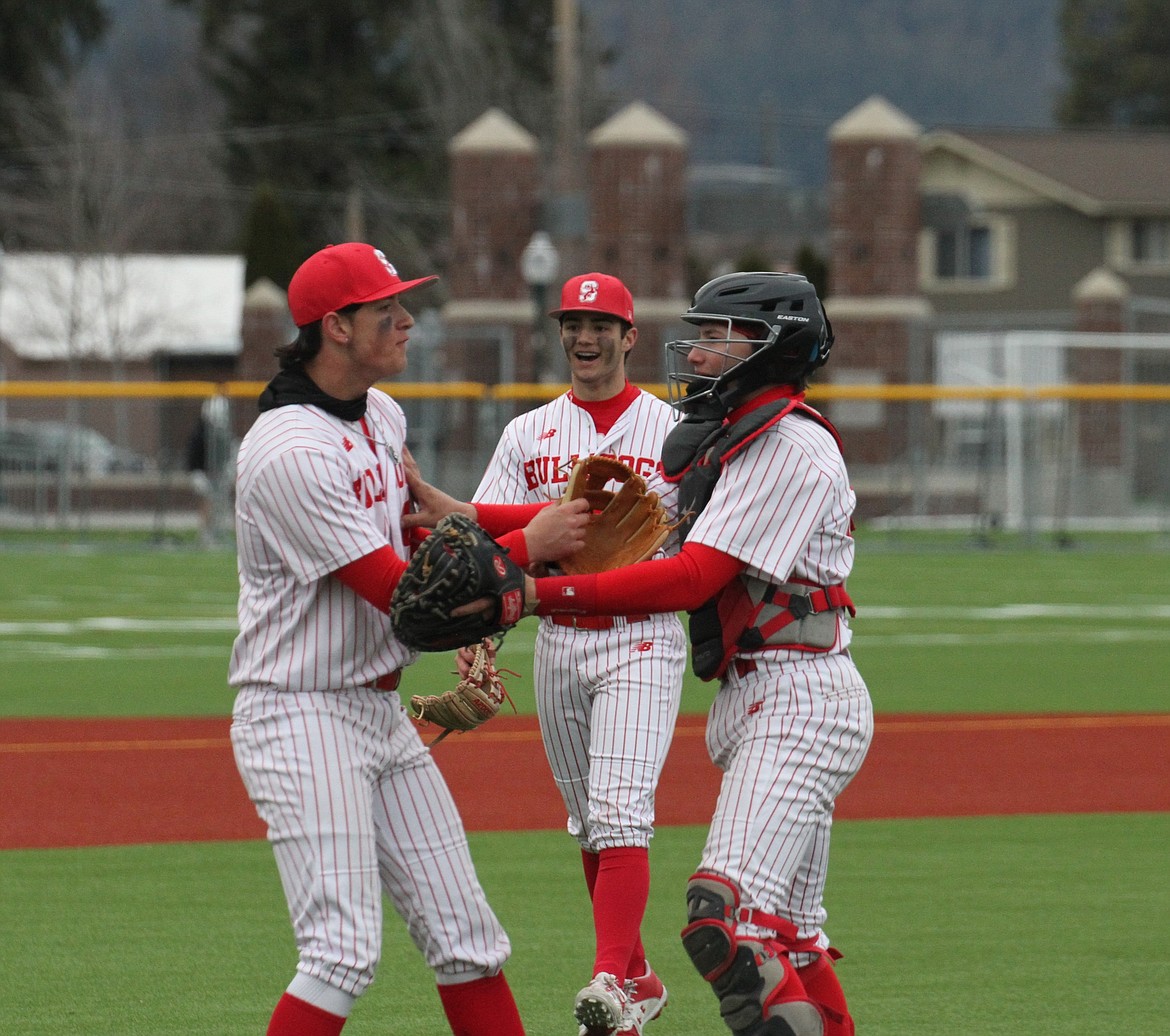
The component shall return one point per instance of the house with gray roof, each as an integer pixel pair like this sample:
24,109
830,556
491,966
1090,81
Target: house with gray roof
1013,221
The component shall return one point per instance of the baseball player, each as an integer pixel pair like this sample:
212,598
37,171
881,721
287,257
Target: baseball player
354,804
762,572
607,688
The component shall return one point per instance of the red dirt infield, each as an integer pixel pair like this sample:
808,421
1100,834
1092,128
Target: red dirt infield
71,783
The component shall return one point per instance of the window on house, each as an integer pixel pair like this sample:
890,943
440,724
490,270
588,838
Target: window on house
1150,241
963,247
963,253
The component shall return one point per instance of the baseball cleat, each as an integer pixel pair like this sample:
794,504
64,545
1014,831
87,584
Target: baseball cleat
600,1005
645,999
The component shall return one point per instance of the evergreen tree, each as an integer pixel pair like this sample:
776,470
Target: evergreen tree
346,108
319,100
271,244
41,44
814,266
1117,56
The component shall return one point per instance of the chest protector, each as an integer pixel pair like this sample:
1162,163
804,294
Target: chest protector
749,613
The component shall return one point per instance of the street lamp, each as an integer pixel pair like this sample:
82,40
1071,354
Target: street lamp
538,266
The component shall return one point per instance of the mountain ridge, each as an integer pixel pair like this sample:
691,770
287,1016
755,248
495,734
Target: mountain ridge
761,81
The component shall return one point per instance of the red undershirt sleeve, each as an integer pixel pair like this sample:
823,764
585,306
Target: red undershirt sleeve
680,583
374,576
506,523
498,519
517,546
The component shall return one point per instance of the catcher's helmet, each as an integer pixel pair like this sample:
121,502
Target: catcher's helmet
780,311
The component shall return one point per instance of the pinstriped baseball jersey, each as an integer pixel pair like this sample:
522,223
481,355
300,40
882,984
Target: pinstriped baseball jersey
784,506
314,493
791,728
608,699
536,452
354,803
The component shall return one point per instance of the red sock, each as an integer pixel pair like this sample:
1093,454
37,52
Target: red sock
296,1017
638,965
482,1007
619,903
820,982
590,861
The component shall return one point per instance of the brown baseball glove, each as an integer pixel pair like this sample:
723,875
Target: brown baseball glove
472,702
626,526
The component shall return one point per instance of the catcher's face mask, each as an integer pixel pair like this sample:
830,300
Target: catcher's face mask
697,366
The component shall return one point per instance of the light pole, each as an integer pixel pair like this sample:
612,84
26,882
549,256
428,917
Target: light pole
538,266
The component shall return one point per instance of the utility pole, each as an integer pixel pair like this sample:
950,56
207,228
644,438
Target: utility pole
568,90
567,217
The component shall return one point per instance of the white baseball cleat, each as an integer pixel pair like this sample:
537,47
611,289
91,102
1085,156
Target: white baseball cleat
600,1006
645,999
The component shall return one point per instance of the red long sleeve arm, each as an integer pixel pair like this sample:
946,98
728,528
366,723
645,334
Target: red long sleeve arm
374,576
506,523
680,583
517,547
503,522
498,519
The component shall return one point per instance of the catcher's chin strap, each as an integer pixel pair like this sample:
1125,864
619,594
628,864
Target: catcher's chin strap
759,991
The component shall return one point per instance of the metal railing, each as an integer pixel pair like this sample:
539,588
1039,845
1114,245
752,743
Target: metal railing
1027,459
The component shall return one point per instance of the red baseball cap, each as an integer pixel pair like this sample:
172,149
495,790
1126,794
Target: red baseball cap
340,275
596,293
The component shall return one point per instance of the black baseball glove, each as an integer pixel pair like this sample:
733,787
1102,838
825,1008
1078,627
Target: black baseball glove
456,564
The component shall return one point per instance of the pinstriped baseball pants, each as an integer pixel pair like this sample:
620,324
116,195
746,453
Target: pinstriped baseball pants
355,806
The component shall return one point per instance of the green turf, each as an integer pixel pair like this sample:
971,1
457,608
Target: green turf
92,632
1022,926
986,927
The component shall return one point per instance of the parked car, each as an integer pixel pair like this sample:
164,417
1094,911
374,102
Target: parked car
55,445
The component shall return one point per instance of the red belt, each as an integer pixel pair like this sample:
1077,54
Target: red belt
389,682
594,622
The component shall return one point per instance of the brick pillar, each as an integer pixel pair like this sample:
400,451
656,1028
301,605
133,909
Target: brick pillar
496,197
1101,299
264,326
637,221
879,316
495,206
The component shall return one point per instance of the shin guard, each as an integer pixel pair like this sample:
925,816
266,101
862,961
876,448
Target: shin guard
709,938
759,991
820,982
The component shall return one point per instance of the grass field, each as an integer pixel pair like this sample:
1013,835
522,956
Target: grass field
986,927
115,632
1023,926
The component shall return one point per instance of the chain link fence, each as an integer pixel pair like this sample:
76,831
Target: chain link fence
1035,460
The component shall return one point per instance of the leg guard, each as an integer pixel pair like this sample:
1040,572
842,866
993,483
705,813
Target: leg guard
820,982
709,938
779,995
758,988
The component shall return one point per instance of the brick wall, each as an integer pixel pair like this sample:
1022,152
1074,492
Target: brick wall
637,224
874,214
495,207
